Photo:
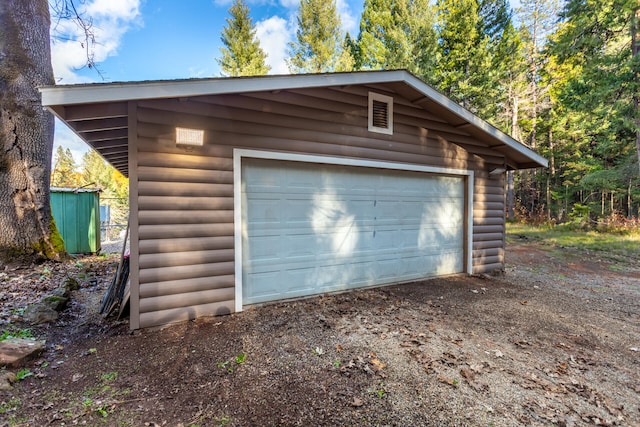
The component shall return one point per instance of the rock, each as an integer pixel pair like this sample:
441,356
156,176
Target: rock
71,284
56,302
6,379
40,313
16,352
60,291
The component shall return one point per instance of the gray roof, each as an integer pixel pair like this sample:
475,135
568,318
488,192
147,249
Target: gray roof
98,112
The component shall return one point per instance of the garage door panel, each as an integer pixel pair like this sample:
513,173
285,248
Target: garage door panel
330,228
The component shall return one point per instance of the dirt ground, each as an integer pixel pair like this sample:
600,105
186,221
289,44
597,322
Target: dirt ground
555,341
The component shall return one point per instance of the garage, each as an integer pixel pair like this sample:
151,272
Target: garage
310,228
255,189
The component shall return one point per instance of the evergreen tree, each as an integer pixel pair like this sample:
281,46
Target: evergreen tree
595,92
539,17
383,39
424,40
397,34
317,47
242,54
346,61
464,61
96,173
64,172
505,59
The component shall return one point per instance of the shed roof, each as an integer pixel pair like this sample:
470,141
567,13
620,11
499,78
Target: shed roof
99,113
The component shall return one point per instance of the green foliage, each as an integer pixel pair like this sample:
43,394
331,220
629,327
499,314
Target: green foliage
397,34
96,173
23,373
317,47
16,333
619,244
241,358
9,406
109,377
64,173
474,54
241,54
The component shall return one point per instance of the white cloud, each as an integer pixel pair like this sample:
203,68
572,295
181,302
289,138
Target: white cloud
110,20
349,22
274,34
290,4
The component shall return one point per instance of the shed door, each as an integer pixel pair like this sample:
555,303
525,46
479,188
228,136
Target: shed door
313,228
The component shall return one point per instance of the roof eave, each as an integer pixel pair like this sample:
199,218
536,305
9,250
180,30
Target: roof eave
54,97
117,92
477,122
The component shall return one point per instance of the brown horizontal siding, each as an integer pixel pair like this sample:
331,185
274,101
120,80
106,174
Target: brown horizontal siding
185,272
184,189
488,223
171,216
158,289
188,244
162,317
170,259
185,203
185,299
185,198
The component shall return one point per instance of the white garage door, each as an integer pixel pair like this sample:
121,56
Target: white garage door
313,228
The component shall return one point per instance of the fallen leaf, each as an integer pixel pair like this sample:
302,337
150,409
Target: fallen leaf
339,348
562,368
447,380
467,373
377,364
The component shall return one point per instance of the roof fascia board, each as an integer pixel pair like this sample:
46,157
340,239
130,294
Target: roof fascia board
474,120
114,92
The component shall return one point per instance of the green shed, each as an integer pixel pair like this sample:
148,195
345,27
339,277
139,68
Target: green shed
77,215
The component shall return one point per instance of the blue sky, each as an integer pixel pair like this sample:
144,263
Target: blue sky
168,39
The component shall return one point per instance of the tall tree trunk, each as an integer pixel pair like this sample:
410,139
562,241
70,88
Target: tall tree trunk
26,130
635,48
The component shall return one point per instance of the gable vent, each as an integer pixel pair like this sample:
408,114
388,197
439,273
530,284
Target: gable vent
380,113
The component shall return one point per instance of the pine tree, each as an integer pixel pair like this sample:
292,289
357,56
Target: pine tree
346,61
96,173
397,34
539,17
317,47
242,54
464,62
64,172
423,38
505,58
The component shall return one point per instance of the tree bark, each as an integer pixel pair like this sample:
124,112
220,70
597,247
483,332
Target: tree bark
635,49
26,131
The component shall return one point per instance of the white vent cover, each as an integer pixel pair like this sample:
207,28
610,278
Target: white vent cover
380,113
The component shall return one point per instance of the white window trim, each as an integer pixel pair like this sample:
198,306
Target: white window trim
387,100
241,153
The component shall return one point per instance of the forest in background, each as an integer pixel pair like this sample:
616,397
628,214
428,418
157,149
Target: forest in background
559,76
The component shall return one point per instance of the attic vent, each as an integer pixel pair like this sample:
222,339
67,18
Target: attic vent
380,113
